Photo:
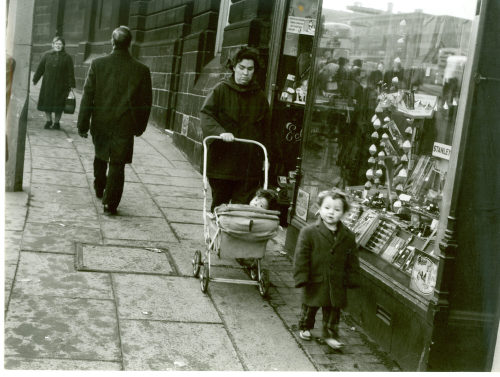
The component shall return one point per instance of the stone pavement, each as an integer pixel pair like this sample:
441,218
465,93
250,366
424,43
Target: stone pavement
86,291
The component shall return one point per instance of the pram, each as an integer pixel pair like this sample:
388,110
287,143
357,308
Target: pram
235,231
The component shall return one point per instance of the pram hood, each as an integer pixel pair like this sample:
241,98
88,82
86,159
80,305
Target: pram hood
246,222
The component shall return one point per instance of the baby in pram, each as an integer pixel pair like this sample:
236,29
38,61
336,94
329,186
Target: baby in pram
266,199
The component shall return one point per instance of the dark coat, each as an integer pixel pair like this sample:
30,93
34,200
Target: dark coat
58,78
325,264
115,105
243,111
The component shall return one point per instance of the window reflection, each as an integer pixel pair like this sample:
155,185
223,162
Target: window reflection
385,94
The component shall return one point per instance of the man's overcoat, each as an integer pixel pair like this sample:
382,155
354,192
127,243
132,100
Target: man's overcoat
325,264
115,105
56,67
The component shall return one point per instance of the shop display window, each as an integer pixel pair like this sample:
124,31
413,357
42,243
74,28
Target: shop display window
384,92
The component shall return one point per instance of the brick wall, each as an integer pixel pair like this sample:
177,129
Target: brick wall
160,27
174,38
44,29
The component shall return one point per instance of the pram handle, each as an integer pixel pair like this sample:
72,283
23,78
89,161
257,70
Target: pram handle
248,141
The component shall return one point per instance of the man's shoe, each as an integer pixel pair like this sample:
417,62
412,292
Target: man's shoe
333,343
109,210
48,124
56,126
305,334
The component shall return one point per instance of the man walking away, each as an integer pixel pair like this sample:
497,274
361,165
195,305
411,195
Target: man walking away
115,107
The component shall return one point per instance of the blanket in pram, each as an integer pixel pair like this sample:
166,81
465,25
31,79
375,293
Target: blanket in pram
247,222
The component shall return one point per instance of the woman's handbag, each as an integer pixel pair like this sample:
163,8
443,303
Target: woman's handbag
70,103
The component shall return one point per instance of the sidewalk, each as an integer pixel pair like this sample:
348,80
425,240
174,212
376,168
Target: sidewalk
72,270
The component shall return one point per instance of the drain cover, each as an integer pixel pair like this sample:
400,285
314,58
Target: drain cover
125,259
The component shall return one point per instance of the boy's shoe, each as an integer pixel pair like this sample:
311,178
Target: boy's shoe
56,126
333,343
305,334
48,124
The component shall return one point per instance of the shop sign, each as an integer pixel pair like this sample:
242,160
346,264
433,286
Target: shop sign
302,204
301,25
441,150
424,274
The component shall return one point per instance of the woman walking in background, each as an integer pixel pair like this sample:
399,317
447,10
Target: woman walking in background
56,67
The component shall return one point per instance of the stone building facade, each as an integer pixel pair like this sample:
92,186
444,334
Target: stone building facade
176,39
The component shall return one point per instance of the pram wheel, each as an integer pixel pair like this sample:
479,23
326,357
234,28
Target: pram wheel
204,278
196,263
264,282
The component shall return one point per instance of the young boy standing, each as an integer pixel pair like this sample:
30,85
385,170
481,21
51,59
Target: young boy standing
325,264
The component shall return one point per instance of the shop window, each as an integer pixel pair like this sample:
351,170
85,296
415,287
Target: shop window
221,25
379,125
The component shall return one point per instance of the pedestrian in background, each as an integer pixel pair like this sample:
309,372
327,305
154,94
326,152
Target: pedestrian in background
236,108
115,106
56,67
326,263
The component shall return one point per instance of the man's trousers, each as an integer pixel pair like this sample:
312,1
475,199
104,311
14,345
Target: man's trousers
112,184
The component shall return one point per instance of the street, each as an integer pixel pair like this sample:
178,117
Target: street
87,291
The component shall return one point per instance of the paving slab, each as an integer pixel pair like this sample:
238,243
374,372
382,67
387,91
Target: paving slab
175,346
55,238
138,243
15,217
21,363
156,179
136,207
51,141
58,164
188,216
40,193
45,274
12,246
163,298
182,164
109,258
192,232
52,177
182,253
57,327
259,334
164,145
9,275
64,214
166,171
151,160
167,202
136,228
38,151
184,192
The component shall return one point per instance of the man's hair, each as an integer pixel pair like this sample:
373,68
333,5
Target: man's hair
121,37
245,53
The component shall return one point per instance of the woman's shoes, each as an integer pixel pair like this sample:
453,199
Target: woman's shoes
48,125
305,334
